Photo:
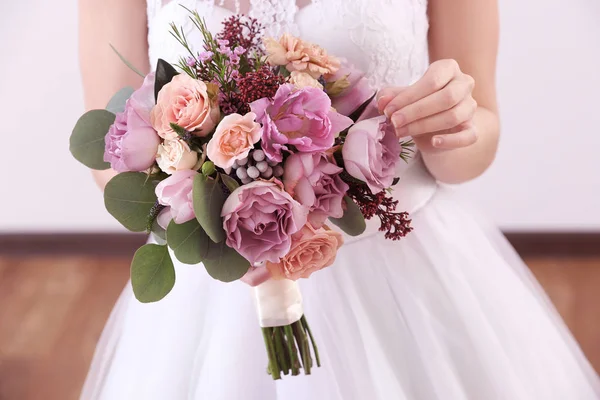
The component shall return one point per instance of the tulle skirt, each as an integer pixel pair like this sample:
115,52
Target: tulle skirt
450,313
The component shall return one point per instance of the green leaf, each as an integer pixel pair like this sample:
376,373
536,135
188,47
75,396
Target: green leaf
224,263
178,130
231,183
129,65
208,199
352,222
117,103
188,241
87,140
158,231
355,115
164,74
152,273
129,197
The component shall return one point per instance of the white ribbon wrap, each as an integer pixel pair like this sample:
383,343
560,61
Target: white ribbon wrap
278,303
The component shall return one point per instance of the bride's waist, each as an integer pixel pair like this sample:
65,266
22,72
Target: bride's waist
412,192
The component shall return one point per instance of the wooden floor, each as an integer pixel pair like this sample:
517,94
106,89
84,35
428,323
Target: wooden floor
52,311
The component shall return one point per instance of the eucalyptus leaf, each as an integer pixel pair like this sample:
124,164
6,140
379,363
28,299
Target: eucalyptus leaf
352,222
87,140
117,102
188,241
159,232
152,273
129,197
231,183
224,263
164,74
208,199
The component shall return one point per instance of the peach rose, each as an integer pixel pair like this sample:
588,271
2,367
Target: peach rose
312,250
234,137
187,102
298,55
303,79
175,155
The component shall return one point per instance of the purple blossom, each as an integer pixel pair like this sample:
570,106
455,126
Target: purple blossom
239,50
191,61
206,56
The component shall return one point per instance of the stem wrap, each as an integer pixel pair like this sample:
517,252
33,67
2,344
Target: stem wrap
278,303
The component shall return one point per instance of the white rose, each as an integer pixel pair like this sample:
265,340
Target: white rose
302,80
175,155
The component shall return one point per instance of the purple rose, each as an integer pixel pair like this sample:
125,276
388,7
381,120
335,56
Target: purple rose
371,153
131,142
260,218
175,192
316,183
348,88
298,117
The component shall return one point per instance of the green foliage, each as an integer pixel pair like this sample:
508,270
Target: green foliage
224,263
87,139
352,222
152,273
164,74
208,199
126,62
129,197
117,102
189,241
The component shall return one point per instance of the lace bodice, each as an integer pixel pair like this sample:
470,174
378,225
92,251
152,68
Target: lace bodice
385,38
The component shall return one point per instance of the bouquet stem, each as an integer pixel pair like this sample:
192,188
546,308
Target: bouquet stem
289,349
288,339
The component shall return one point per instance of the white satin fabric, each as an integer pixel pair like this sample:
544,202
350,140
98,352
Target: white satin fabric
448,313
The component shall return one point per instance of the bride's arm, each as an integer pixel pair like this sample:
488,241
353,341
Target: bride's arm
467,31
122,23
451,112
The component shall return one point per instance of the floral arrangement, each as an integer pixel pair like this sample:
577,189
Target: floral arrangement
238,161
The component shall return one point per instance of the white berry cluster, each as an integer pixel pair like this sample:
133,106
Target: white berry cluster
256,166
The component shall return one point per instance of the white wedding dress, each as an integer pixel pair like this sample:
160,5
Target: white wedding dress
448,313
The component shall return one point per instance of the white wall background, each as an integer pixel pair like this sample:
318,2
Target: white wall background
546,175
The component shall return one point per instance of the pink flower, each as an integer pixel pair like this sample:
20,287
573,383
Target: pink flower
315,182
131,142
187,102
302,118
234,137
312,250
259,219
302,80
175,155
348,89
298,55
175,192
371,153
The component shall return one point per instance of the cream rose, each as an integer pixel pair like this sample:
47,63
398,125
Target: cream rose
298,55
302,80
187,102
312,250
175,155
234,137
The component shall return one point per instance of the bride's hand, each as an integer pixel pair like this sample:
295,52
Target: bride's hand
436,111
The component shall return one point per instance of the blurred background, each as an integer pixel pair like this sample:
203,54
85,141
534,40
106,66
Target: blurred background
58,282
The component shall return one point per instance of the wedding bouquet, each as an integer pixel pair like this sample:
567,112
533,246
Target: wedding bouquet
237,162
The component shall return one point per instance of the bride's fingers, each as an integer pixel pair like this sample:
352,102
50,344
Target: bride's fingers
445,99
448,119
384,96
439,74
463,138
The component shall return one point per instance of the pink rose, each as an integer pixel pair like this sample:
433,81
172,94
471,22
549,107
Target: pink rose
312,250
175,192
175,155
348,89
187,102
302,118
131,142
315,182
371,153
298,55
259,219
233,139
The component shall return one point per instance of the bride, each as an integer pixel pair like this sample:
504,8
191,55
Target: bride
450,312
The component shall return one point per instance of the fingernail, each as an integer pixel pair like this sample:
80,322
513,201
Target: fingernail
388,112
383,100
398,121
437,142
